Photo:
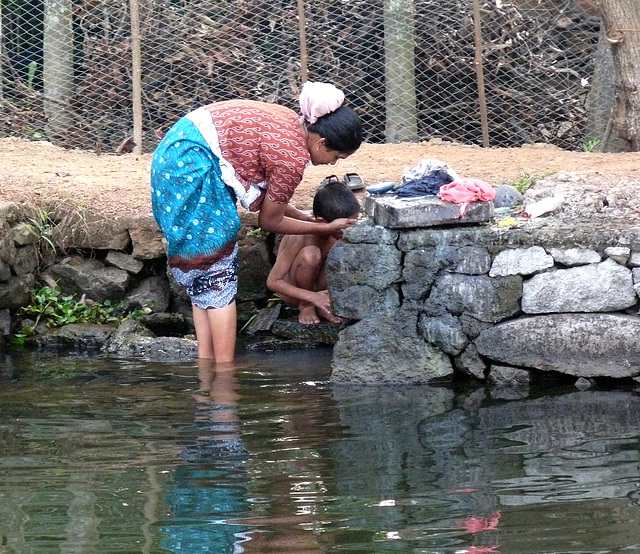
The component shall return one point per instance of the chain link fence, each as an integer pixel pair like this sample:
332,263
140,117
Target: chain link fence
99,74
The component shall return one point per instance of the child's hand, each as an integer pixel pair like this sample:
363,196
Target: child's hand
323,304
321,300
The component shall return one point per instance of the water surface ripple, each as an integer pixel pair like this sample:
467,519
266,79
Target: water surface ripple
106,456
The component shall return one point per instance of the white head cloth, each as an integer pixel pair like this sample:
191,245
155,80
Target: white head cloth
318,99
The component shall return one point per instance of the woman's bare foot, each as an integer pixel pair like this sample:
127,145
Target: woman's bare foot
308,315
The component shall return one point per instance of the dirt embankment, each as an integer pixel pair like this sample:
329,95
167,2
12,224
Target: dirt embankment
38,171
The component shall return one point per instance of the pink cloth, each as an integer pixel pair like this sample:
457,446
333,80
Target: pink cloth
466,190
318,99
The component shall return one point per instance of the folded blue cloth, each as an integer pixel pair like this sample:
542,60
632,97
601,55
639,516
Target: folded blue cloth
428,184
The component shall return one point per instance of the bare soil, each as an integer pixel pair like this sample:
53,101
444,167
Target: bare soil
39,173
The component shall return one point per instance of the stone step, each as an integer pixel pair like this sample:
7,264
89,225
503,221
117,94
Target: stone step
399,213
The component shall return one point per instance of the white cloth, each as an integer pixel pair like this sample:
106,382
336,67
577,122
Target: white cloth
318,99
246,194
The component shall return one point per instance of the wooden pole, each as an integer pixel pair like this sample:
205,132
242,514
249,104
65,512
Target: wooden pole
302,23
1,55
136,75
484,120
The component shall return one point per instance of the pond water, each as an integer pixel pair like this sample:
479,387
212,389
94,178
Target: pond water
267,456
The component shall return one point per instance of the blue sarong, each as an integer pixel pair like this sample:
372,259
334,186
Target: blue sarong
193,207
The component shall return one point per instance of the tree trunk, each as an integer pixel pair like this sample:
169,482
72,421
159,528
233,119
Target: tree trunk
401,120
621,19
57,71
600,100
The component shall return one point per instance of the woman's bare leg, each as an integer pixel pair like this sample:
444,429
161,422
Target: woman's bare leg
222,322
203,332
216,332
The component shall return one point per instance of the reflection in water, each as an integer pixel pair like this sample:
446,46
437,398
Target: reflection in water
267,456
209,490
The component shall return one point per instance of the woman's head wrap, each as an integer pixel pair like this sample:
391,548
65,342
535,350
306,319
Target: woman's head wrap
318,99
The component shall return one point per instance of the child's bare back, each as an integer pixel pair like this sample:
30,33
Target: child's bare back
298,275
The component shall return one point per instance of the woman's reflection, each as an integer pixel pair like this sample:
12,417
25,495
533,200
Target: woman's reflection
208,494
209,491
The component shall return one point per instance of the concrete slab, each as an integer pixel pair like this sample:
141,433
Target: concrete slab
394,213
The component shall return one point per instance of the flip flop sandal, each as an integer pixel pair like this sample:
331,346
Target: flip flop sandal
329,179
354,181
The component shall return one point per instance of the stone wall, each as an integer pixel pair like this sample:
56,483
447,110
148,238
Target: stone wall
106,258
497,302
443,296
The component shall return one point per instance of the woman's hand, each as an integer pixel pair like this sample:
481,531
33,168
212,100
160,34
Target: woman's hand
301,215
336,227
273,218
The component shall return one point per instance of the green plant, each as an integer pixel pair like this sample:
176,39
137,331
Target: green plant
525,180
257,232
42,227
273,300
32,67
62,372
19,341
248,322
590,145
51,307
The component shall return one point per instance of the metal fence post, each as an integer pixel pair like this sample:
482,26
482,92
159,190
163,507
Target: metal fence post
480,74
302,22
136,79
1,54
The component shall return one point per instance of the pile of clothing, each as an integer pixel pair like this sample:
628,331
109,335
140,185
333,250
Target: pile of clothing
432,177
